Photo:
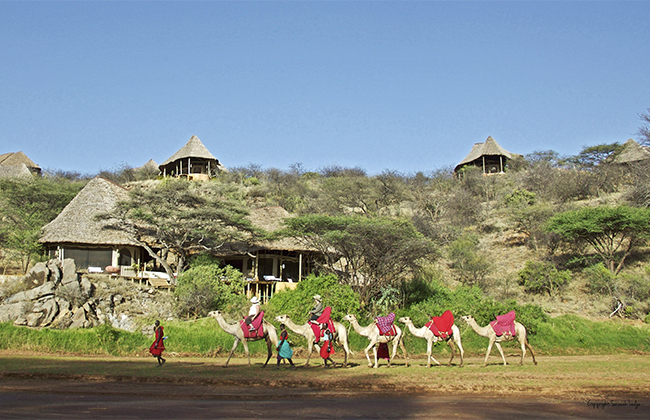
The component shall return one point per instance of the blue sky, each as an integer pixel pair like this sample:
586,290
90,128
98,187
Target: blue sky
400,86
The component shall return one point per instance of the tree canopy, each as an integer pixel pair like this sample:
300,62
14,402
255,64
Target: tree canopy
181,217
613,232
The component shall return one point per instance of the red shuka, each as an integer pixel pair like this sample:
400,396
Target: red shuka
158,345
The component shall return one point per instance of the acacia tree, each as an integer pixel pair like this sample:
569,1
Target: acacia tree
25,207
181,217
369,254
613,232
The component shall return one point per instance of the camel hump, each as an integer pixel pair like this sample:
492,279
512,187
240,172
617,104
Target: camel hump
504,324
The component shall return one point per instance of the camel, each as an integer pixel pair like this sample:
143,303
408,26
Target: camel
431,338
488,331
270,336
372,333
340,335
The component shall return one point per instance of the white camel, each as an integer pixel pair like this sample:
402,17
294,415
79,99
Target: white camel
488,331
371,332
270,336
340,336
431,338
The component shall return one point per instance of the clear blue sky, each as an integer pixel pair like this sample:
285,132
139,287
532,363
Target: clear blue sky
402,86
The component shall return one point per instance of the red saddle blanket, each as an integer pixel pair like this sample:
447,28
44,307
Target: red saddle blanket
325,318
257,324
504,324
385,324
441,325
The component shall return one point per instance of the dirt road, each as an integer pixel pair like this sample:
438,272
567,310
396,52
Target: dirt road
47,387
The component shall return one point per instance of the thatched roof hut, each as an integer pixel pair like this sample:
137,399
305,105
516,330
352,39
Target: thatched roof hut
489,156
17,159
631,152
193,161
76,224
16,172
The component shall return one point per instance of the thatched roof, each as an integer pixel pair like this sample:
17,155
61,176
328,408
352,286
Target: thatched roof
151,165
18,158
631,151
15,171
192,149
489,148
271,220
77,225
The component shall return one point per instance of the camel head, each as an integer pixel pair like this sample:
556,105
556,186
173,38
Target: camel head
405,320
349,317
468,318
214,314
281,319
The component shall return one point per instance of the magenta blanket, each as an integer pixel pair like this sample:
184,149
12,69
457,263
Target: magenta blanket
257,324
385,324
504,324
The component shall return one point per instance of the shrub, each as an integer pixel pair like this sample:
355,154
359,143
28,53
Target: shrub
542,277
600,280
470,264
205,286
297,303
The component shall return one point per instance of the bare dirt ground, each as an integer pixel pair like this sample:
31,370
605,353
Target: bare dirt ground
568,387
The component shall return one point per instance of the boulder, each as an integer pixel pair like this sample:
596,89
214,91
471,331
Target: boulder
46,289
38,274
55,271
12,311
69,272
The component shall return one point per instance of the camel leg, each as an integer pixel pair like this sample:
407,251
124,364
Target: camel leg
460,348
346,348
374,350
367,356
270,352
406,356
234,346
248,354
523,350
310,348
531,352
502,355
395,344
453,351
429,357
489,349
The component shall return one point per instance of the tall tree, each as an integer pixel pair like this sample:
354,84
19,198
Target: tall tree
181,217
369,254
613,232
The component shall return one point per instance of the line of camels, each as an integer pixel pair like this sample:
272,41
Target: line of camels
371,332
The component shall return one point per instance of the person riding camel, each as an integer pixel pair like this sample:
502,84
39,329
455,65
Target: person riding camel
317,311
252,313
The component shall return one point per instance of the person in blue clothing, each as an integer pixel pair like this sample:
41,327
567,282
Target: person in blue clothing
284,350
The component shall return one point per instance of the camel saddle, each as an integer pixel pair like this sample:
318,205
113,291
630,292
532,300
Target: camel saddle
257,324
385,324
325,318
441,325
504,324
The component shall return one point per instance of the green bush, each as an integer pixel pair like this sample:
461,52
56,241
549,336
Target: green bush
600,280
297,303
205,287
542,277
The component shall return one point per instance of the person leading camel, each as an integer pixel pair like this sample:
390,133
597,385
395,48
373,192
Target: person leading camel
253,312
328,349
283,349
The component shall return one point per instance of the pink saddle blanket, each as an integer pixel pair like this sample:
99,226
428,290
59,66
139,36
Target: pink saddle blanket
325,318
257,324
504,324
441,325
385,324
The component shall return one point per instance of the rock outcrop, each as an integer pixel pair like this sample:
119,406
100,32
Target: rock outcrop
54,295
